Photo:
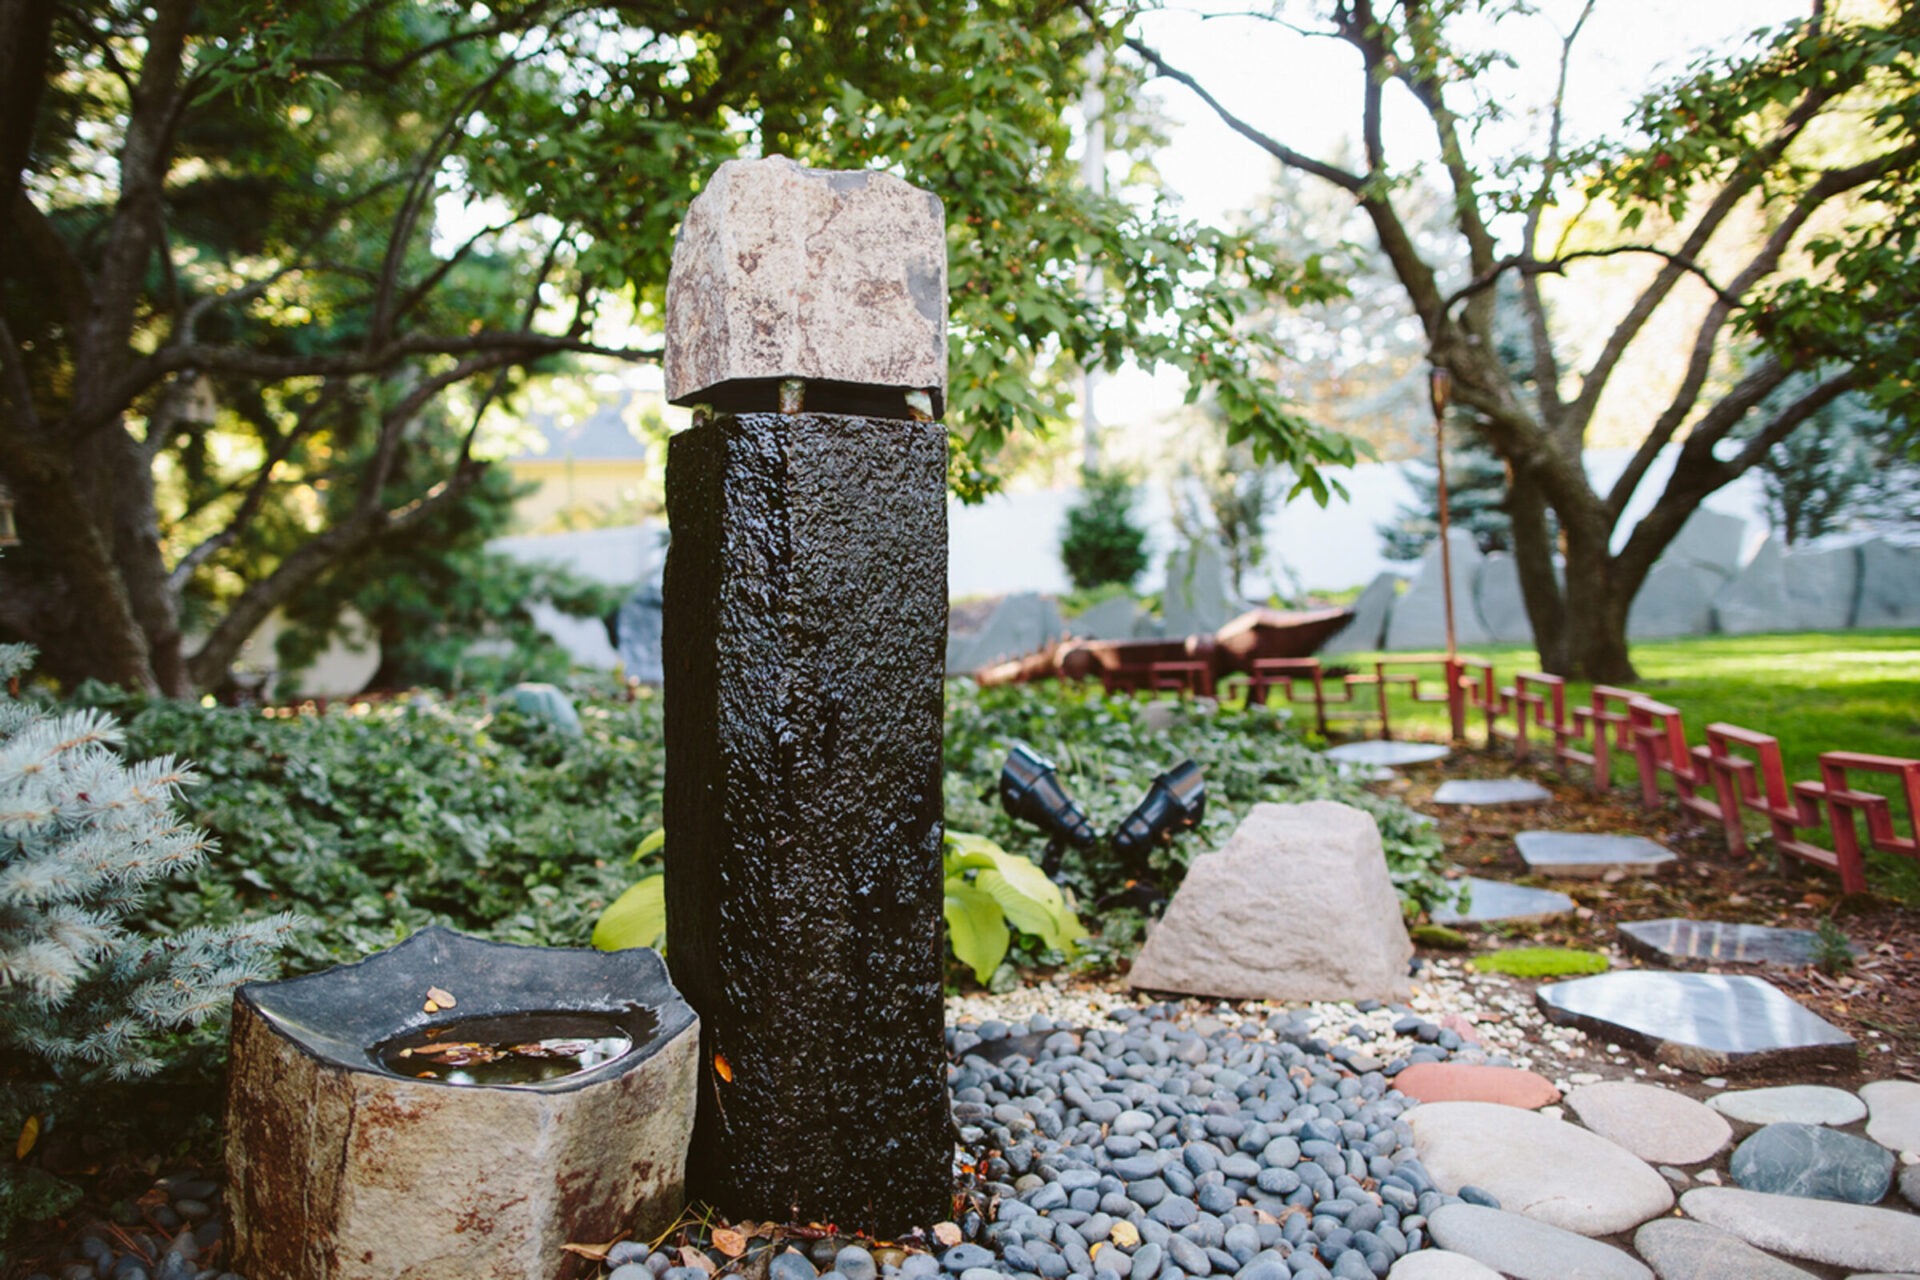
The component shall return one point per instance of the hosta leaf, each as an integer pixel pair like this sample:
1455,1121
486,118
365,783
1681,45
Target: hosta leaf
637,918
977,928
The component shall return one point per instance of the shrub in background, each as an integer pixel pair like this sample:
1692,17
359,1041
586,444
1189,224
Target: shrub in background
84,995
1102,543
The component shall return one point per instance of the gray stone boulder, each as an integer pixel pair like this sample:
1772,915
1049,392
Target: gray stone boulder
1757,599
831,276
1194,601
1502,606
1709,540
1296,906
1889,585
1370,611
1113,619
1419,618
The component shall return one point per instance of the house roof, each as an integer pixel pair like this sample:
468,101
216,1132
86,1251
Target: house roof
600,436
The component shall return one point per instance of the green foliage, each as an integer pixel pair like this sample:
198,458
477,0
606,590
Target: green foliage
1439,937
1825,471
1476,503
1832,949
1107,760
1102,543
375,821
991,893
1540,962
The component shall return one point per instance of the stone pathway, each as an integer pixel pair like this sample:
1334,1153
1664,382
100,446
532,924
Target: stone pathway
1702,1022
1387,754
1491,900
1586,856
1490,791
1676,942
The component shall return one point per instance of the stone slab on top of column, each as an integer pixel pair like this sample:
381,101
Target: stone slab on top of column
837,278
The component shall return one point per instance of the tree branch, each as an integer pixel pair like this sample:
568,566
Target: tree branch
1546,362
13,380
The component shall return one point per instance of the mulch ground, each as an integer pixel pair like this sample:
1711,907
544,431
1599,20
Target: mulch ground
1877,1001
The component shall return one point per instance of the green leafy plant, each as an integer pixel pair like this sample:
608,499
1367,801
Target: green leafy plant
1540,962
638,917
1102,543
990,893
1832,951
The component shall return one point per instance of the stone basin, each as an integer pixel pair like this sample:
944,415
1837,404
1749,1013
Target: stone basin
341,1169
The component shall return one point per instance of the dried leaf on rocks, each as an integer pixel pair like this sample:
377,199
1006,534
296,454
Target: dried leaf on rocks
692,1257
947,1233
441,998
595,1252
1125,1234
729,1241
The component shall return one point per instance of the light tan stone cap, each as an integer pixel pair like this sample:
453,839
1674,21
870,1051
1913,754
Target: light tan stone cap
837,277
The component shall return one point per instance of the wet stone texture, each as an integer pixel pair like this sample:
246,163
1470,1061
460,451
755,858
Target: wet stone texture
339,1170
1692,943
1709,1023
806,614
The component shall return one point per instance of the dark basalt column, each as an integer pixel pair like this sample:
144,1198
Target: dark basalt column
805,620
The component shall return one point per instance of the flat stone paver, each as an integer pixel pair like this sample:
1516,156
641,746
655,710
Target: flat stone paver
1536,1166
1438,1264
1490,791
1698,1021
1894,1113
1657,1125
1677,1249
1689,942
1387,754
1476,1082
1582,854
1814,1161
1795,1103
1829,1231
1490,900
1528,1250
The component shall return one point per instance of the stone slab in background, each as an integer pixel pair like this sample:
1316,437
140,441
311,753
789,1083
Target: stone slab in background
1689,943
1683,1250
1113,619
1823,589
1369,625
1194,599
837,277
1296,906
1854,1236
1502,607
1756,600
1709,540
1524,1249
1675,600
1889,585
1657,1125
1709,1023
1019,625
1474,791
1419,619
1539,1167
1583,854
1497,900
1802,1103
1814,1161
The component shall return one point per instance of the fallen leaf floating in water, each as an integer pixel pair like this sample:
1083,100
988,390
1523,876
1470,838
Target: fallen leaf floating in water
441,998
722,1067
729,1241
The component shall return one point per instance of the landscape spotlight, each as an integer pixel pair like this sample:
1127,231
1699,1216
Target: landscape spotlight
1030,791
1174,804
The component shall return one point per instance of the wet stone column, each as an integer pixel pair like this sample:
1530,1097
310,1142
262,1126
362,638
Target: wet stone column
805,621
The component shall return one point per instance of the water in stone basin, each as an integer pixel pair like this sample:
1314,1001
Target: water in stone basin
513,1049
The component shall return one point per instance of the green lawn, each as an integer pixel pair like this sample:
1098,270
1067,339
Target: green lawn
1814,691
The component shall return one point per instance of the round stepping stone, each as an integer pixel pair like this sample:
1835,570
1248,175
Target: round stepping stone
1386,755
1584,854
1894,1122
1546,1169
1814,1161
1524,1249
1790,1104
1438,1264
1471,1082
1829,1231
1657,1125
1490,791
1700,1021
1677,1249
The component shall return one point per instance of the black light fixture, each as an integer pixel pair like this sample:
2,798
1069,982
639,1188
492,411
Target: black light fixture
1030,791
1175,803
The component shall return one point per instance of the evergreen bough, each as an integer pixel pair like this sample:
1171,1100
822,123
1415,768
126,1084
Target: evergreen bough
83,997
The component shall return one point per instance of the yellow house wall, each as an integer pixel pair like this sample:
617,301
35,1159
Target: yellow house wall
569,483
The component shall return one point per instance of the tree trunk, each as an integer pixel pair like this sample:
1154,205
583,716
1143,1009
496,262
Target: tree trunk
1596,606
125,509
1539,583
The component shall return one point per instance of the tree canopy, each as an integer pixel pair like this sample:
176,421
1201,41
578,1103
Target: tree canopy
1769,188
267,272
